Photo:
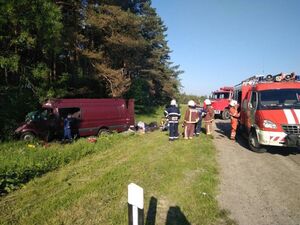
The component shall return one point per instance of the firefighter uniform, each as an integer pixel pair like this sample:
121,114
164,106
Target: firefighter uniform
209,117
173,115
234,115
191,117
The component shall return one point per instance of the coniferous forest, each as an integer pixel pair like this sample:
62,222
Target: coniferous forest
81,49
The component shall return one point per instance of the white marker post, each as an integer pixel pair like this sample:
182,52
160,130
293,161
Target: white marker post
135,205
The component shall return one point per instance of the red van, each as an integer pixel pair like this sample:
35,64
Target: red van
90,117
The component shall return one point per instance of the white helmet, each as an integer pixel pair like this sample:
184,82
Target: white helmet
233,103
191,103
173,102
207,102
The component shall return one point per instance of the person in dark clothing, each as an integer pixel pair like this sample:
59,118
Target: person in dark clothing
199,123
173,115
67,127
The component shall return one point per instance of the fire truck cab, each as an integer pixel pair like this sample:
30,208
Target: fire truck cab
220,100
270,110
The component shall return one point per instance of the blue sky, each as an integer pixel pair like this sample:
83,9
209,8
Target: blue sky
221,42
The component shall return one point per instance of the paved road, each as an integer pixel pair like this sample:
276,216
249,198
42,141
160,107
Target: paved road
260,189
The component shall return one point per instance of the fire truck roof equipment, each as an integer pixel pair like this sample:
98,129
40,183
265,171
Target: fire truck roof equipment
270,78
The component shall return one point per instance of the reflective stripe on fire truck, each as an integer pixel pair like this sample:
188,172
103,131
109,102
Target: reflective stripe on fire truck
297,112
289,116
271,138
276,138
292,115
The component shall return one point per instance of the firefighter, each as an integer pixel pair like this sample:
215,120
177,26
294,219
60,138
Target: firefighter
191,117
173,115
234,115
209,116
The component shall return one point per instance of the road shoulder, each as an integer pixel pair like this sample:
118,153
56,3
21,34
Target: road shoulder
256,188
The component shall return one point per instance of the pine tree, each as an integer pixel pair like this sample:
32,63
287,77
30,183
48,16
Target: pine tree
160,78
113,46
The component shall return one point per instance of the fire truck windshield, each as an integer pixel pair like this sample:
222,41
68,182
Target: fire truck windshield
220,95
279,99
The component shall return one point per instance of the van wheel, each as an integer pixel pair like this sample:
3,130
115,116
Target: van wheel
253,143
225,114
104,132
27,136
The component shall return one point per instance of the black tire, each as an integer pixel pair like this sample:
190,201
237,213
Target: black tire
28,136
253,143
225,114
104,131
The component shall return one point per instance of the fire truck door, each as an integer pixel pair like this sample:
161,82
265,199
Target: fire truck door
252,106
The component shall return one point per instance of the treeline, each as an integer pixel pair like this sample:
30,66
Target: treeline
81,49
183,98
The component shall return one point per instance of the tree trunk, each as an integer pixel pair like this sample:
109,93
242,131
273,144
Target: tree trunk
6,75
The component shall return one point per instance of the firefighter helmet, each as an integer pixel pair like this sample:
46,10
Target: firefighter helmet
207,102
233,103
191,103
173,102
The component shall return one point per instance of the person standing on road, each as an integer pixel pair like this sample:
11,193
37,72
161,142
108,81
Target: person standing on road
209,116
234,115
173,115
191,117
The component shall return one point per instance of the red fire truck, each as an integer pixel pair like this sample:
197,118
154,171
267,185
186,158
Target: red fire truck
270,110
220,100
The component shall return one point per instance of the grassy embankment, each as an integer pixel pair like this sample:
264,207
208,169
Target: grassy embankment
179,180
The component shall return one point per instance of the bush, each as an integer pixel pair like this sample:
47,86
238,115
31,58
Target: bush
16,103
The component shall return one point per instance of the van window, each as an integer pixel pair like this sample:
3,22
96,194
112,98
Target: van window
75,112
42,114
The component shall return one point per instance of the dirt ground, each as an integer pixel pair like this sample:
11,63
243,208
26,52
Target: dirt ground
257,188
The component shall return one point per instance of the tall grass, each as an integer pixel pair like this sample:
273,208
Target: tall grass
21,161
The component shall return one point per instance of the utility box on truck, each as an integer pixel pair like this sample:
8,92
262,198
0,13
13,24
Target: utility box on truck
89,117
270,110
220,101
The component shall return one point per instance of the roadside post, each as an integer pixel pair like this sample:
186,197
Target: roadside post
135,205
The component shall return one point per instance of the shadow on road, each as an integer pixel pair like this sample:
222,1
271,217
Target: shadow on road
223,131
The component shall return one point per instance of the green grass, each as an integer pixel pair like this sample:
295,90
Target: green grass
179,179
21,161
153,116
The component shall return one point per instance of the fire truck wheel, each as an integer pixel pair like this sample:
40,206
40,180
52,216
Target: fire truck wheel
27,136
253,143
225,114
